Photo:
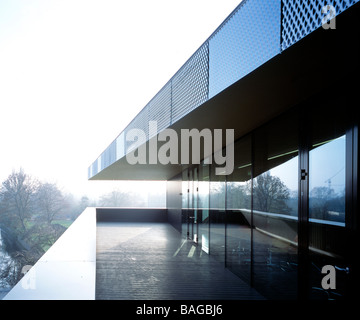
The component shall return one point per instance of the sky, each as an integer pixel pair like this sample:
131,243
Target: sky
326,167
74,73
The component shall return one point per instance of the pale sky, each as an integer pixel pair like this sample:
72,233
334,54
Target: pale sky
74,73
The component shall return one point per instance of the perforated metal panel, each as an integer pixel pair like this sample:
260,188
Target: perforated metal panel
108,157
190,84
94,169
247,39
120,146
159,108
256,31
141,122
299,17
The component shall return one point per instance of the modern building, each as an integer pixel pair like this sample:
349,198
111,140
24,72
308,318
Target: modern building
283,75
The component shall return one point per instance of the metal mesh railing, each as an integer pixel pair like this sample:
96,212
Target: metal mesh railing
159,108
254,32
247,39
190,84
302,17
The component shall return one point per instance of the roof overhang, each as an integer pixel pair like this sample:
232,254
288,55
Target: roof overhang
322,58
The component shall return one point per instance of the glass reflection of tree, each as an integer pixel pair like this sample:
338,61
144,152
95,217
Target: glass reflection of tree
270,194
238,195
325,204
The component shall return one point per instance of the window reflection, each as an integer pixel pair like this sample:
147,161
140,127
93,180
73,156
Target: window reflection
328,239
217,216
249,220
238,213
327,181
185,204
275,208
203,196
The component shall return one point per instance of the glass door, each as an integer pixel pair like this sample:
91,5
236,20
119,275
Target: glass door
326,173
203,207
274,220
190,204
196,205
190,211
185,207
192,221
328,240
327,213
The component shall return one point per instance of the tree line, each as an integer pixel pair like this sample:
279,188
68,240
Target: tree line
270,194
34,214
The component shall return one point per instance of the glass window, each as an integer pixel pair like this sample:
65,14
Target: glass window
275,208
327,181
217,216
328,239
185,204
238,213
203,206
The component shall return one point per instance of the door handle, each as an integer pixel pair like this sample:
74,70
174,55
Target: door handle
303,174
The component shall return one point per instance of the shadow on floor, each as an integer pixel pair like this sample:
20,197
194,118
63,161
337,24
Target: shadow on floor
150,261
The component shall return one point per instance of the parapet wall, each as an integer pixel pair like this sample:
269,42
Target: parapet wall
131,215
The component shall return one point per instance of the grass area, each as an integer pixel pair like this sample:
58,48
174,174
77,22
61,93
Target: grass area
64,223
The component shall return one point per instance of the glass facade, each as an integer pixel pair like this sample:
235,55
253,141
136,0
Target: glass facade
204,212
329,207
217,215
238,213
275,207
286,199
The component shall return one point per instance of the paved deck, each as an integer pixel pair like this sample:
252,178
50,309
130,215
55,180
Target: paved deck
150,261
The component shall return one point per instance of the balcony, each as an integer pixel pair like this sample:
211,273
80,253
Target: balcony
127,254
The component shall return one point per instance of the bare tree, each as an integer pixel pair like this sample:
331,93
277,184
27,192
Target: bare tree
18,194
50,202
22,200
270,194
116,199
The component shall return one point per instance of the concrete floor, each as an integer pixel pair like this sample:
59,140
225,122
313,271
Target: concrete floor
150,261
